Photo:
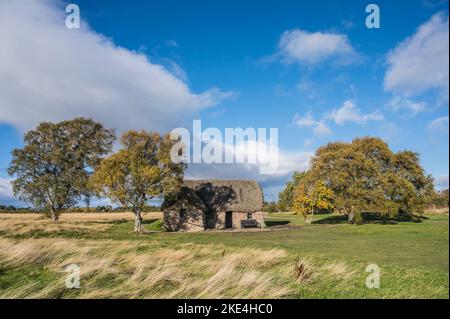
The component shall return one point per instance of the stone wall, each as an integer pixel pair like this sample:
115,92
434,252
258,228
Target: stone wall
220,220
193,221
237,217
259,216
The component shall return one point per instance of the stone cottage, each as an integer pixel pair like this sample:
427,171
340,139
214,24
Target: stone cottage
215,204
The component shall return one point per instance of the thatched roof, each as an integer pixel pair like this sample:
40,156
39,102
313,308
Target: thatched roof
234,195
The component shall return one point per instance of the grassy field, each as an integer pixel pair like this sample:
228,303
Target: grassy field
289,259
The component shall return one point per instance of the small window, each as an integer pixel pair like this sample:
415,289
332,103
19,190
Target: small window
249,215
182,213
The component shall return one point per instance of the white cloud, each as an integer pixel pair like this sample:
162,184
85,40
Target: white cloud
5,188
349,112
441,182
420,62
439,125
319,127
49,72
313,47
308,142
438,131
397,103
288,162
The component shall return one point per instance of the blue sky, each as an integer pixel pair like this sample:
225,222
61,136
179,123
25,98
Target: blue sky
311,69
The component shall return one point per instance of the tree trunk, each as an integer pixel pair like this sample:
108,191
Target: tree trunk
54,216
137,222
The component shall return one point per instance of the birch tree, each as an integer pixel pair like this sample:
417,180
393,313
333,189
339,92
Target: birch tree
142,170
52,169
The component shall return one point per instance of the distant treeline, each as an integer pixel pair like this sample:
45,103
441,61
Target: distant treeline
11,208
97,209
439,199
108,208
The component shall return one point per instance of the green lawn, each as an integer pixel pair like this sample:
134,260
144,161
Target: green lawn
407,244
413,256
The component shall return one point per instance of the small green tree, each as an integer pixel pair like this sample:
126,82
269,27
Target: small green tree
142,170
285,197
51,171
315,198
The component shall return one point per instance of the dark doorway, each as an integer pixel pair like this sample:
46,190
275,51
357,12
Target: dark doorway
210,220
228,219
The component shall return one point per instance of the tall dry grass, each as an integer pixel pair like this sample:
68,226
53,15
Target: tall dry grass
145,268
111,269
26,223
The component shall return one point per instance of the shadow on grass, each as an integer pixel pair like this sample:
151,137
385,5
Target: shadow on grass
272,223
373,218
